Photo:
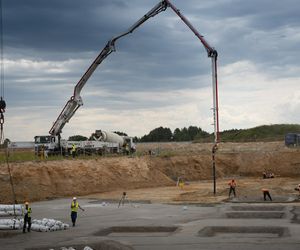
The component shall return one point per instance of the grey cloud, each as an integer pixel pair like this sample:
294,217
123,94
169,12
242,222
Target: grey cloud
160,56
58,25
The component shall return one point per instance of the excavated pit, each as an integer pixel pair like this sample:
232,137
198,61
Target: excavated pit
103,245
244,232
257,199
296,215
255,215
8,234
257,208
137,231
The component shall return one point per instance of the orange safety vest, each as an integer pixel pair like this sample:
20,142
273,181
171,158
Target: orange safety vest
232,184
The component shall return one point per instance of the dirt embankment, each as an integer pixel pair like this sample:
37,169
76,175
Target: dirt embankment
232,159
49,179
43,180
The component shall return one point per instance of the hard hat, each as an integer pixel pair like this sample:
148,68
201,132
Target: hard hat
26,203
74,198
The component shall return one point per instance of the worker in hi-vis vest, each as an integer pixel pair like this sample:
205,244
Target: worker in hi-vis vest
74,210
73,150
27,217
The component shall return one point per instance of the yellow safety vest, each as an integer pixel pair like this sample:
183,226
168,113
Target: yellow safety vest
73,148
74,206
28,212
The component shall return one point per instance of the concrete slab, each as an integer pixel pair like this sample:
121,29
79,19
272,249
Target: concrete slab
145,226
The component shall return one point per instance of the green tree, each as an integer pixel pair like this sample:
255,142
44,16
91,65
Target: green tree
201,135
193,131
177,134
185,135
120,133
77,138
136,139
158,135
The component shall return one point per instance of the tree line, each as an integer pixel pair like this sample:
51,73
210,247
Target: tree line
162,134
274,132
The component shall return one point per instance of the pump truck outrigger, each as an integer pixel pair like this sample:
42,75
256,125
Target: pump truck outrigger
76,101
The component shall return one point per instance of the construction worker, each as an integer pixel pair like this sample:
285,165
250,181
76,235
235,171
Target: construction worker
266,193
232,186
74,210
43,152
73,150
27,217
180,183
127,149
298,189
122,200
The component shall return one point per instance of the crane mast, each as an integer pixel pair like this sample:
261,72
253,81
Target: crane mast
76,101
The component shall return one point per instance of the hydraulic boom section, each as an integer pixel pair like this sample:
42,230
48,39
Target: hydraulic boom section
213,54
76,101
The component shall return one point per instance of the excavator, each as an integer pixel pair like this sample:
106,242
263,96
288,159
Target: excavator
76,101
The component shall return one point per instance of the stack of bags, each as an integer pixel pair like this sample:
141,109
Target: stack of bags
11,210
7,224
46,225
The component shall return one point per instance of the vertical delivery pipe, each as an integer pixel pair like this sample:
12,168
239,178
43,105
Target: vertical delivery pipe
211,52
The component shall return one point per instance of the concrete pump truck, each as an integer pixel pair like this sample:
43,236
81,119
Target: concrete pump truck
53,142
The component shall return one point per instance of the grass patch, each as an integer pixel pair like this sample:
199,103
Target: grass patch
17,156
29,155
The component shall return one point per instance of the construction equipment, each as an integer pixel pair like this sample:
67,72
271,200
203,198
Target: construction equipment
124,142
50,145
76,101
3,105
292,139
2,102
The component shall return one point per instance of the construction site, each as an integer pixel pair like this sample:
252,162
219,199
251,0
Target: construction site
112,191
157,213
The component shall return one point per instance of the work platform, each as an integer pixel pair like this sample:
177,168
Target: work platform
144,226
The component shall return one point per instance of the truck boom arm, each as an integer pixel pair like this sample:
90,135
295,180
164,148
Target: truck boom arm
76,101
213,54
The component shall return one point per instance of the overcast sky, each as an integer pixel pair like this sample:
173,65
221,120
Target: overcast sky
160,75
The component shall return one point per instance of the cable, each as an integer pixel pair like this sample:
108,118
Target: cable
2,102
1,48
3,106
11,182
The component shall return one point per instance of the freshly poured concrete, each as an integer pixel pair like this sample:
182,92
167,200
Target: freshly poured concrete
158,226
